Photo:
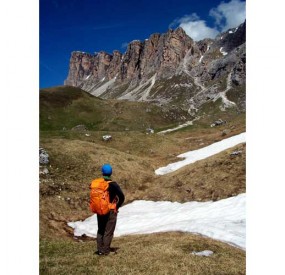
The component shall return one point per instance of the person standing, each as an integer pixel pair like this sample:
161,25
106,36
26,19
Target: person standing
107,222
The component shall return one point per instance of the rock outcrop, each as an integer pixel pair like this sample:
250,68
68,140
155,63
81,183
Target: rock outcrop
160,53
166,67
43,157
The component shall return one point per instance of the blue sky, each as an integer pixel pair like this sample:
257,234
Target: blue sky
95,25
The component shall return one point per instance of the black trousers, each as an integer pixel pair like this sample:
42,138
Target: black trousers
105,233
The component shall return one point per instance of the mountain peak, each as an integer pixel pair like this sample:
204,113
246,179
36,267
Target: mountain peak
180,30
144,71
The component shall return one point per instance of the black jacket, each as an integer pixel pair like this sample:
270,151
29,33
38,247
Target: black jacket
115,192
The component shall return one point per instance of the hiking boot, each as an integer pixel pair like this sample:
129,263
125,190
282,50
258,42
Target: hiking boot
110,253
99,253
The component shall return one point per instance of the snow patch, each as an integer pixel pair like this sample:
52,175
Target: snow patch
202,153
223,220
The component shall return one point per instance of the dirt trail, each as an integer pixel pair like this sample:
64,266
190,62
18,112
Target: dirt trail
192,109
226,102
195,79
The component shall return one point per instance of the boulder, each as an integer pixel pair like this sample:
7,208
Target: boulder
44,157
44,170
107,138
218,123
149,131
205,253
236,153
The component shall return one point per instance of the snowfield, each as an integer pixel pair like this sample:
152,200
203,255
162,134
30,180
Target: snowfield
205,152
223,220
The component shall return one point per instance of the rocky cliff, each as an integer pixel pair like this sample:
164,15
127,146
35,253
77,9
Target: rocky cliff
168,68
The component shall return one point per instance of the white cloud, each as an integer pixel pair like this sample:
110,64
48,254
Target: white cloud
184,19
229,15
226,15
198,30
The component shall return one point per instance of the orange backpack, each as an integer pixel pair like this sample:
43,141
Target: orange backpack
99,197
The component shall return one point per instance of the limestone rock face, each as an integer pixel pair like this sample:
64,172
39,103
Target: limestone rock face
130,67
101,63
159,54
170,51
165,68
83,66
80,66
115,64
150,56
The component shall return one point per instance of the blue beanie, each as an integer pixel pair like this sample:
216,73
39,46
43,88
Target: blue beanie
106,170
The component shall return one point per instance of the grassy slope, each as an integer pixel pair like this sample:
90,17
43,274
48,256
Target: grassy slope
67,107
163,253
75,159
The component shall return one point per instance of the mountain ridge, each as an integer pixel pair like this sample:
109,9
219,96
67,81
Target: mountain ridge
169,68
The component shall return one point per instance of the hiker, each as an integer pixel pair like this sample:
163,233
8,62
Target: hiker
107,217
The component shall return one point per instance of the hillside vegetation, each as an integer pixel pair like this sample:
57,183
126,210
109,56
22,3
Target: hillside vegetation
65,107
77,155
164,253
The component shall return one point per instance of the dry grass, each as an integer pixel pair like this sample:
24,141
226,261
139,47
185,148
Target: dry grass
74,163
217,177
164,253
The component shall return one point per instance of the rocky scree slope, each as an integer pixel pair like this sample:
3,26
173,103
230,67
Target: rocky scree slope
169,68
